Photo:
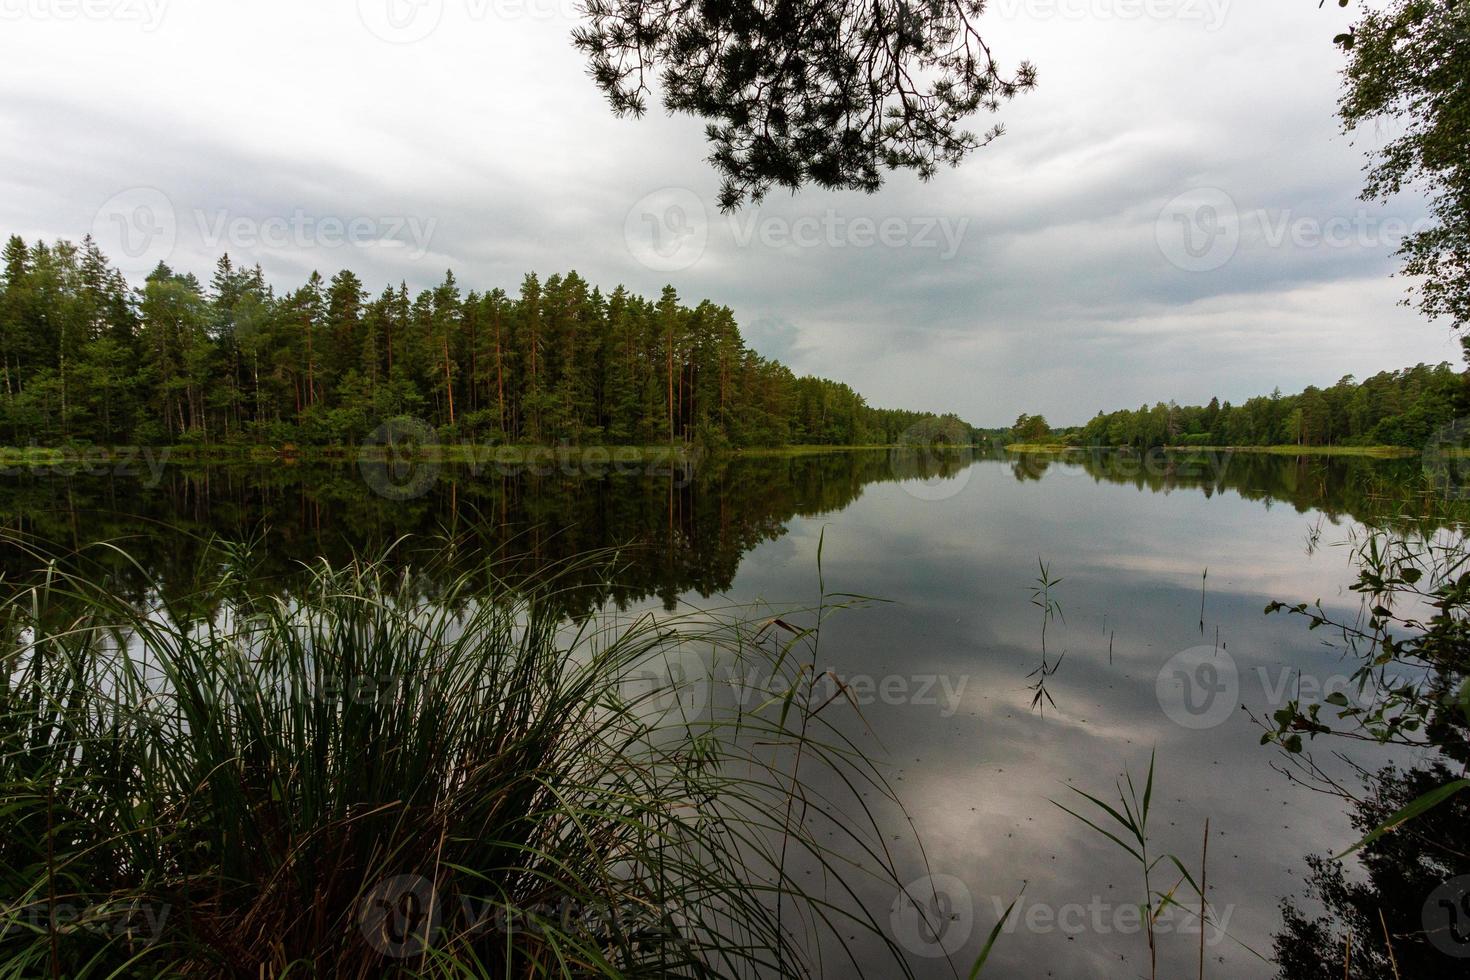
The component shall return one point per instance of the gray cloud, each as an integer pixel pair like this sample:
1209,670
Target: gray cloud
1030,279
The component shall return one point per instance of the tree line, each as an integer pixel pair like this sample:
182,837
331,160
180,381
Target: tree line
86,358
1392,408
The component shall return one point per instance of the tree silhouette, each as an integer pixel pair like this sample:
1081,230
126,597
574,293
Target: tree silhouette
1405,872
830,92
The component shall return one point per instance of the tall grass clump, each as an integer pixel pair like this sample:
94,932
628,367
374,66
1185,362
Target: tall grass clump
346,780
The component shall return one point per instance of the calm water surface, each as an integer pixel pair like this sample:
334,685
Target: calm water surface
954,545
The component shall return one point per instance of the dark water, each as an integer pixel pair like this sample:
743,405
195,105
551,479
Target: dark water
954,544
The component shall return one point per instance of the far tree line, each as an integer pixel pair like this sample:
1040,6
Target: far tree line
86,358
1392,408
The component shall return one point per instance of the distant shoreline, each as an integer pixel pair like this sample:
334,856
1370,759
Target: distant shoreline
1375,452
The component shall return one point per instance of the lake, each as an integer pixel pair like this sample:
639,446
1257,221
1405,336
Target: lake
1161,569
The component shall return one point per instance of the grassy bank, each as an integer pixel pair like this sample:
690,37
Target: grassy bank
818,450
354,782
1040,447
516,455
1376,452
229,453
82,457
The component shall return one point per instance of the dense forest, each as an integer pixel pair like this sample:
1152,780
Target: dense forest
86,358
1392,408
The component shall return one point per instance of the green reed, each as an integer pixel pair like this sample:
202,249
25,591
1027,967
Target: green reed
347,780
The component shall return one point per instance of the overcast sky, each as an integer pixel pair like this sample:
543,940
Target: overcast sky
1172,214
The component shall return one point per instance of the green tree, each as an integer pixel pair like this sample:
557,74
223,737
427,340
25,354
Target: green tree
1406,73
1030,428
84,358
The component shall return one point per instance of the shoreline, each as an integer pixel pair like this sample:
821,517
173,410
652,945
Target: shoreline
1374,452
40,457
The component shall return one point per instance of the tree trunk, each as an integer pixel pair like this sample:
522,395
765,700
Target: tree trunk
499,378
448,380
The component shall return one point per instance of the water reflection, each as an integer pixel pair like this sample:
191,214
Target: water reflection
679,529
683,529
954,543
1363,489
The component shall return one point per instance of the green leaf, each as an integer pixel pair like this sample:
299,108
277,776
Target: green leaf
1187,876
1148,789
1419,806
994,934
1109,835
